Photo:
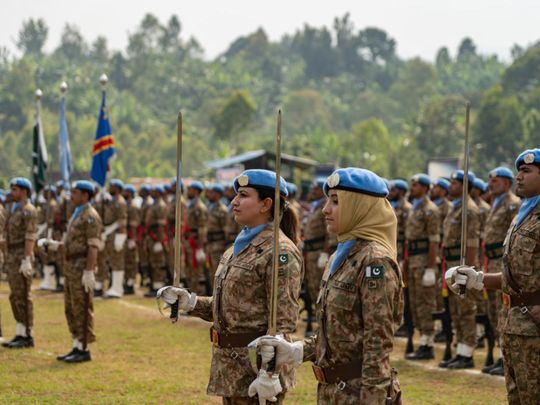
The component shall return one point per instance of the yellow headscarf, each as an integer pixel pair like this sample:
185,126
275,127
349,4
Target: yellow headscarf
363,216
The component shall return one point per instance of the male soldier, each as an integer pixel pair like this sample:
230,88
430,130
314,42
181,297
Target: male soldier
171,229
217,219
403,208
80,247
3,218
49,258
64,211
422,238
144,267
519,319
232,228
316,246
133,221
295,205
156,240
505,207
114,236
21,231
197,219
463,310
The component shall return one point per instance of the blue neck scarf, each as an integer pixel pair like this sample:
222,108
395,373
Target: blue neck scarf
191,202
394,203
456,203
438,201
15,206
77,211
342,251
416,203
527,206
245,237
497,201
211,206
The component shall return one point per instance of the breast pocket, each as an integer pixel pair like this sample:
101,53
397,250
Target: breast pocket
526,248
342,297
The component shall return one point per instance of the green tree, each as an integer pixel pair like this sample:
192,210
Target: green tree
234,116
32,37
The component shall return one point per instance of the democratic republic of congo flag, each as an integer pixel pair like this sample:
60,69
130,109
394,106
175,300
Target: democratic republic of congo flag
103,147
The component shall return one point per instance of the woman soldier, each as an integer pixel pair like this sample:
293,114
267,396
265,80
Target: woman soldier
360,302
240,304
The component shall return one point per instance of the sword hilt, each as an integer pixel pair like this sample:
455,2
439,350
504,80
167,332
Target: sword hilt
174,310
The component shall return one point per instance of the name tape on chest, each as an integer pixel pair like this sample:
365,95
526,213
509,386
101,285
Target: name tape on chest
375,271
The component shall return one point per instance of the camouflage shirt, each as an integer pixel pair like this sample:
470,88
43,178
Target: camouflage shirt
483,212
217,219
241,303
359,308
3,218
452,230
133,218
197,216
115,210
315,234
500,218
21,225
424,222
82,232
522,259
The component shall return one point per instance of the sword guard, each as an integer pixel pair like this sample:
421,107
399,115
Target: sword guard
462,290
174,311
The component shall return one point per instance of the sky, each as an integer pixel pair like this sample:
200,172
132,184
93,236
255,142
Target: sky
420,27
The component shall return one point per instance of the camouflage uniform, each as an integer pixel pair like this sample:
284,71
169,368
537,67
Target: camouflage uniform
232,228
483,210
197,217
3,217
316,241
239,307
217,219
131,258
82,232
444,206
143,248
403,210
497,225
63,214
21,226
463,310
519,329
156,220
422,229
358,309
112,210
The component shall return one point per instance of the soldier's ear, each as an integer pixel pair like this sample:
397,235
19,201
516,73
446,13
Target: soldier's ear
266,205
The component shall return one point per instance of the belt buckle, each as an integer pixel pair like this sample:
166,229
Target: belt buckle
215,337
319,374
341,385
524,309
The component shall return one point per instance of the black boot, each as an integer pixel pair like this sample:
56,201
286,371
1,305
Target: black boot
23,342
402,331
446,363
65,356
129,290
16,338
79,357
499,370
487,369
98,293
462,363
424,352
440,337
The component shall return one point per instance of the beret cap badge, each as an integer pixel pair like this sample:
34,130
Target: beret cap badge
243,181
333,180
528,158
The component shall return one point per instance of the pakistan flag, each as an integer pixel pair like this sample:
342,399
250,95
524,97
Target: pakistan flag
39,153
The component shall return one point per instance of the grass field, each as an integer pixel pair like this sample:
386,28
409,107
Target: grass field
141,358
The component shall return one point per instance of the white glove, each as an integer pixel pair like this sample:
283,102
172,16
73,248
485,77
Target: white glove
290,354
157,248
103,237
266,386
26,267
41,243
464,275
88,280
170,294
200,255
119,240
132,244
428,279
323,259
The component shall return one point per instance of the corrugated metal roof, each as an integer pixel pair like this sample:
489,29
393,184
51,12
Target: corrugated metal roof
244,157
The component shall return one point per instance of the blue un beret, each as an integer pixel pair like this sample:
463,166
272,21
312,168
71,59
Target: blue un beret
218,188
502,172
319,181
459,174
159,188
21,182
146,187
422,178
480,185
197,185
167,187
130,188
528,157
358,181
442,183
60,183
117,183
84,185
291,188
399,183
260,178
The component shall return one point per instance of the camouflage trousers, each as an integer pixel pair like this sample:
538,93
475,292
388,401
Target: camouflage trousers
463,313
521,368
109,259
19,289
130,263
193,273
250,401
157,262
313,274
74,302
494,298
422,299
